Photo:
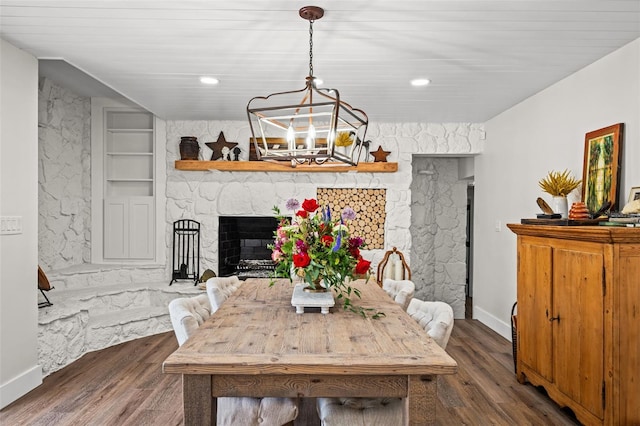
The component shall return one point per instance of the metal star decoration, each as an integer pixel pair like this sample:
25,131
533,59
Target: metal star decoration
217,147
380,155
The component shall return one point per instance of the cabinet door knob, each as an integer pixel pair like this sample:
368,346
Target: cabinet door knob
555,318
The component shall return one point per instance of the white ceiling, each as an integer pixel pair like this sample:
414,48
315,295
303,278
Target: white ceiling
482,56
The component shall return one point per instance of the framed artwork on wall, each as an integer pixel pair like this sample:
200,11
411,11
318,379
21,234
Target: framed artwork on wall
601,170
634,194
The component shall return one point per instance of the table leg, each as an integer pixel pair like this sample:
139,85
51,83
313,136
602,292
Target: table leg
422,400
199,405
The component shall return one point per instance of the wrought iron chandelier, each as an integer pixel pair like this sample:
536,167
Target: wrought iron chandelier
310,125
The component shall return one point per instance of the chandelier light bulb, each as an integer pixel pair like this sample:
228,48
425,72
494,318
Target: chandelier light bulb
311,137
331,138
291,137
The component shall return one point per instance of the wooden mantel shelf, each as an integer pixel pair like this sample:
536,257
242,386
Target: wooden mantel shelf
267,166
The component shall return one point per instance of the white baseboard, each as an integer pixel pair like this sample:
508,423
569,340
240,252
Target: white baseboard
20,386
492,322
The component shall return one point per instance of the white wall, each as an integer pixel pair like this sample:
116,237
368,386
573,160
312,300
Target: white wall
545,132
19,371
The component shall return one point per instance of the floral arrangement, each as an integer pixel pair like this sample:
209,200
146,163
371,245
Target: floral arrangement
319,248
559,184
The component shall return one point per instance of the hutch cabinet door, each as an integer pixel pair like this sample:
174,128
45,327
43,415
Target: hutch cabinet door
578,326
626,335
534,307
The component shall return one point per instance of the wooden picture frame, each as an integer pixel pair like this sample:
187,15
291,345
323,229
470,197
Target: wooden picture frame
601,169
634,194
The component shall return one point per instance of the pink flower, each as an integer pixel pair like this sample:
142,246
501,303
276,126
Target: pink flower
277,255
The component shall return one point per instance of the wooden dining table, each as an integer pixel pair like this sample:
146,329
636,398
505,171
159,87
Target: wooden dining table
256,345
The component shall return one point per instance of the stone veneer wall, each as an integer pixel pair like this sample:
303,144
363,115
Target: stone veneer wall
425,216
204,196
438,230
64,177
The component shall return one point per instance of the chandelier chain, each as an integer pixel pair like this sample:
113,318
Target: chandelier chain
311,48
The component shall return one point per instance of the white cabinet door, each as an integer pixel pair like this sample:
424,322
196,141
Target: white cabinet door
116,227
141,226
128,228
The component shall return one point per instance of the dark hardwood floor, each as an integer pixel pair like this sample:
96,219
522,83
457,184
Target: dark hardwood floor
124,385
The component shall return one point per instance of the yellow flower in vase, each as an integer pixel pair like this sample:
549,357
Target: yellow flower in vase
344,139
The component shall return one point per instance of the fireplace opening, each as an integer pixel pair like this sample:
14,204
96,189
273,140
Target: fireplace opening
242,246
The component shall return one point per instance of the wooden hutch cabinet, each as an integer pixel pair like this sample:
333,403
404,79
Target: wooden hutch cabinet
578,332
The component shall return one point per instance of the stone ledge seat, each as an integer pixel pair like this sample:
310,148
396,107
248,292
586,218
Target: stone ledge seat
121,305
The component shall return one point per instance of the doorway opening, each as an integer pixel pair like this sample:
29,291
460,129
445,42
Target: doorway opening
468,288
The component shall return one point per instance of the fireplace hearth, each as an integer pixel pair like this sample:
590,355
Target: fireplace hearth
242,246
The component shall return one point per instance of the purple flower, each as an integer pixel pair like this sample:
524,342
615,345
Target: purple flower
338,239
325,214
292,204
301,246
348,214
338,242
356,242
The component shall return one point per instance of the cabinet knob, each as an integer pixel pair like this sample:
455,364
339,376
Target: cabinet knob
555,319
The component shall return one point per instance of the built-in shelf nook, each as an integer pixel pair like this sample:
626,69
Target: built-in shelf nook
267,166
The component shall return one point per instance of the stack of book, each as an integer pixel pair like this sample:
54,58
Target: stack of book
620,219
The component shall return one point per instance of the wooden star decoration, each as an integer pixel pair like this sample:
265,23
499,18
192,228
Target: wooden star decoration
219,145
380,155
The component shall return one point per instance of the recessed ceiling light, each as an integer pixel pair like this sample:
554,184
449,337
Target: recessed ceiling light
419,82
209,80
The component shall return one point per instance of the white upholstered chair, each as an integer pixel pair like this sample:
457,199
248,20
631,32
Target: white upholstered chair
393,265
400,291
435,317
437,320
362,411
220,288
187,314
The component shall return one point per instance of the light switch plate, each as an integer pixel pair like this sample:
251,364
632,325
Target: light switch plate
10,225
